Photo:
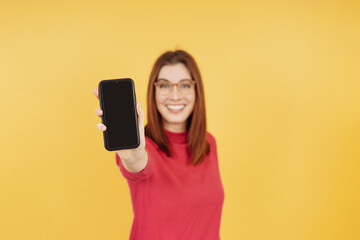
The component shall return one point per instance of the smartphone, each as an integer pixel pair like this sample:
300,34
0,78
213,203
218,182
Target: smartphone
118,103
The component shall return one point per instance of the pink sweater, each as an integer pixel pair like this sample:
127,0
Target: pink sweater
173,199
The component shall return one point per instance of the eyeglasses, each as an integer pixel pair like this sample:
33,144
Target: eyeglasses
165,87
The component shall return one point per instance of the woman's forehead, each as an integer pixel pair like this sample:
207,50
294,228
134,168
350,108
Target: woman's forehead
174,73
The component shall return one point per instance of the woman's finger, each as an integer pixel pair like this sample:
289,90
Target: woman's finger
99,112
101,127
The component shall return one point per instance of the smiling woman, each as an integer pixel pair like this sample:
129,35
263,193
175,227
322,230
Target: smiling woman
176,67
173,175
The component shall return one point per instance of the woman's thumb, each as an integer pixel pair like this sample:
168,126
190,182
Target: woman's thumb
138,105
141,124
140,111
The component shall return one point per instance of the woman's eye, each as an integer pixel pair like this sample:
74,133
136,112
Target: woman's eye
164,85
185,85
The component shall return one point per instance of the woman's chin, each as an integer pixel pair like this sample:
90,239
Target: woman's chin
175,119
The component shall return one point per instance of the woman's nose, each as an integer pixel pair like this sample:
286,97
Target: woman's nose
174,93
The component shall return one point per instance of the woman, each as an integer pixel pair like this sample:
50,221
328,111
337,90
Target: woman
173,175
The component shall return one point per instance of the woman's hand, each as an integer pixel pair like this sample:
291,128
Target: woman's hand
134,160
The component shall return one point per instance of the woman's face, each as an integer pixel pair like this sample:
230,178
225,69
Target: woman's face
175,108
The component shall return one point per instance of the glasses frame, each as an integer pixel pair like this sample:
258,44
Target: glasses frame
156,83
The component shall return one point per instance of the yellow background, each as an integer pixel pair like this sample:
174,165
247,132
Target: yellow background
282,92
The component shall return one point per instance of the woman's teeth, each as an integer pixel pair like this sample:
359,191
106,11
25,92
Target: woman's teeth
175,107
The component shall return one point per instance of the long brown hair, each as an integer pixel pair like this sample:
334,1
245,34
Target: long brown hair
196,123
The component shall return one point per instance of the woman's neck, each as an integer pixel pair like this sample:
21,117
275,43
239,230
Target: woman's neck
176,128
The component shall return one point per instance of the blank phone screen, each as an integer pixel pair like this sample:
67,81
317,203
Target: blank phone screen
119,114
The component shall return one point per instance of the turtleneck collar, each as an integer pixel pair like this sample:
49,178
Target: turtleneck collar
176,137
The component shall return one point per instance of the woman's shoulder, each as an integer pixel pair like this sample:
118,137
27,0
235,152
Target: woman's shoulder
210,138
212,142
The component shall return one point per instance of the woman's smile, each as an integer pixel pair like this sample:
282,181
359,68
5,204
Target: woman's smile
175,108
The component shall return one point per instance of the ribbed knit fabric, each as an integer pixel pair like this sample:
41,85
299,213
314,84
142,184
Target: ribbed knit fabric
172,199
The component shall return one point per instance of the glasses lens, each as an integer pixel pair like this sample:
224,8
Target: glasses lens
185,87
164,87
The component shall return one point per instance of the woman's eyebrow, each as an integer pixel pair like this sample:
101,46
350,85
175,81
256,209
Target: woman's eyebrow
169,81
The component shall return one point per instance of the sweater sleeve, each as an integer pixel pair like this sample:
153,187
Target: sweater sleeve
143,174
